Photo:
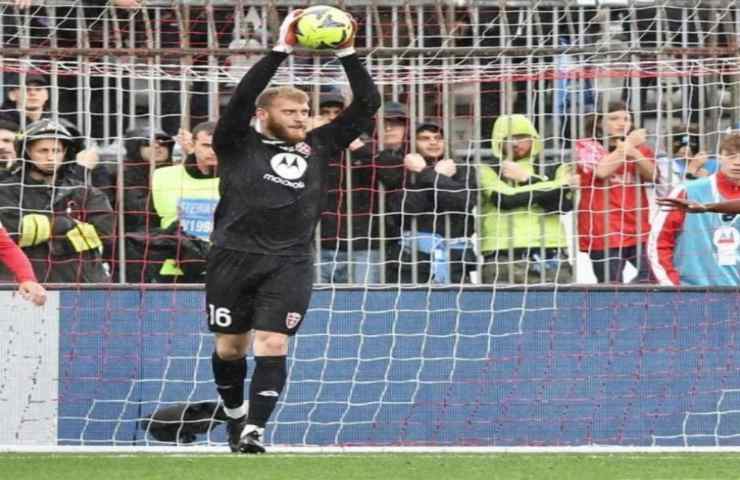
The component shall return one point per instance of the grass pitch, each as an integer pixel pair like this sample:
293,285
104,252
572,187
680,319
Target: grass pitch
408,466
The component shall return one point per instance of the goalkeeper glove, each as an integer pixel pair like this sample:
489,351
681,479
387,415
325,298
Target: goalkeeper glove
286,37
348,47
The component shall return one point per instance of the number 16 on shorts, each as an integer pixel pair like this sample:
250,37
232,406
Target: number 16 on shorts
220,317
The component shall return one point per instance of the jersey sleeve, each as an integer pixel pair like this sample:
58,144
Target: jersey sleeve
14,258
234,122
664,232
357,118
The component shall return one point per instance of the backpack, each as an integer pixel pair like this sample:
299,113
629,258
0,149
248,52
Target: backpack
182,422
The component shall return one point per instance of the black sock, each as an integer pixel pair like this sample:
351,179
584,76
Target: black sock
229,376
268,381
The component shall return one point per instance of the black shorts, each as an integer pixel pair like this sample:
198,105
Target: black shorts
246,291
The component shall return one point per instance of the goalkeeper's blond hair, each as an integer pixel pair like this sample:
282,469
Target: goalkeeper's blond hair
268,96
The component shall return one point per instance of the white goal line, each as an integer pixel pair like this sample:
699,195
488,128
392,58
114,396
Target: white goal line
286,449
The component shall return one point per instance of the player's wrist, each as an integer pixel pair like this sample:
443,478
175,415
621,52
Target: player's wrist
345,52
283,48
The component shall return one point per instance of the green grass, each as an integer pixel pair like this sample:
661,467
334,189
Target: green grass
509,466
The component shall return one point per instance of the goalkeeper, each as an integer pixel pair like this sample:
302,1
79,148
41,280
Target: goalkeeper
260,268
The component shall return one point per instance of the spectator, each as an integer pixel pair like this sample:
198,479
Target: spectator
357,188
425,191
613,211
8,137
32,97
184,198
146,150
61,224
522,239
688,161
395,126
701,249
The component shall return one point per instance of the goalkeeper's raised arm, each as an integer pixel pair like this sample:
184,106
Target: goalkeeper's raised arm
357,118
234,121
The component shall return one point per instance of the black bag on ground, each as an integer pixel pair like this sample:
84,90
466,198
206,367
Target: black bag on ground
181,423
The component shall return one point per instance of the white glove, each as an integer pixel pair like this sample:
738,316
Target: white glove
286,38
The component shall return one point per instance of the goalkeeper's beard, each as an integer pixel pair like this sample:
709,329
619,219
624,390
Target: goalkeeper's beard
281,132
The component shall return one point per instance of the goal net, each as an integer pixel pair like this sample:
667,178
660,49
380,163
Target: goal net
509,301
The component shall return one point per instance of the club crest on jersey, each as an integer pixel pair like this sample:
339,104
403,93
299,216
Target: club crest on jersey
288,165
292,319
303,148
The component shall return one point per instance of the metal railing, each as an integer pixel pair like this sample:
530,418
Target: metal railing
171,65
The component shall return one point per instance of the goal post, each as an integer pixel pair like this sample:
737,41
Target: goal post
421,333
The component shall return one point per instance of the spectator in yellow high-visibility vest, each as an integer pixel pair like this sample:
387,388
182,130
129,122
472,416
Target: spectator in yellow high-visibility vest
187,194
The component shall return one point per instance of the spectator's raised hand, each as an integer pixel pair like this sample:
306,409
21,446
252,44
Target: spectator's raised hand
636,138
22,4
696,164
574,180
184,138
513,171
413,162
88,158
356,145
445,167
128,4
33,292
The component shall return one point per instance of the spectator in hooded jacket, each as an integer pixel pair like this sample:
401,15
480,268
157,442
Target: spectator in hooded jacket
146,150
429,210
61,224
522,239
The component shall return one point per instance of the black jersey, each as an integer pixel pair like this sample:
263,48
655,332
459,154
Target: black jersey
272,192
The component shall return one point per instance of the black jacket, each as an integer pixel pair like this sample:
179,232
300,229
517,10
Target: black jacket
64,204
147,249
138,215
361,193
426,196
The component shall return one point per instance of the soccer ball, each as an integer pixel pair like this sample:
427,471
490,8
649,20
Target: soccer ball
322,27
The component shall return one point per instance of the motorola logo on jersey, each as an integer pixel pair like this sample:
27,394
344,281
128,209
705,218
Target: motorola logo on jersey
288,165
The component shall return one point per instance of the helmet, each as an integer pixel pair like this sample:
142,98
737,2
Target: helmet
47,128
